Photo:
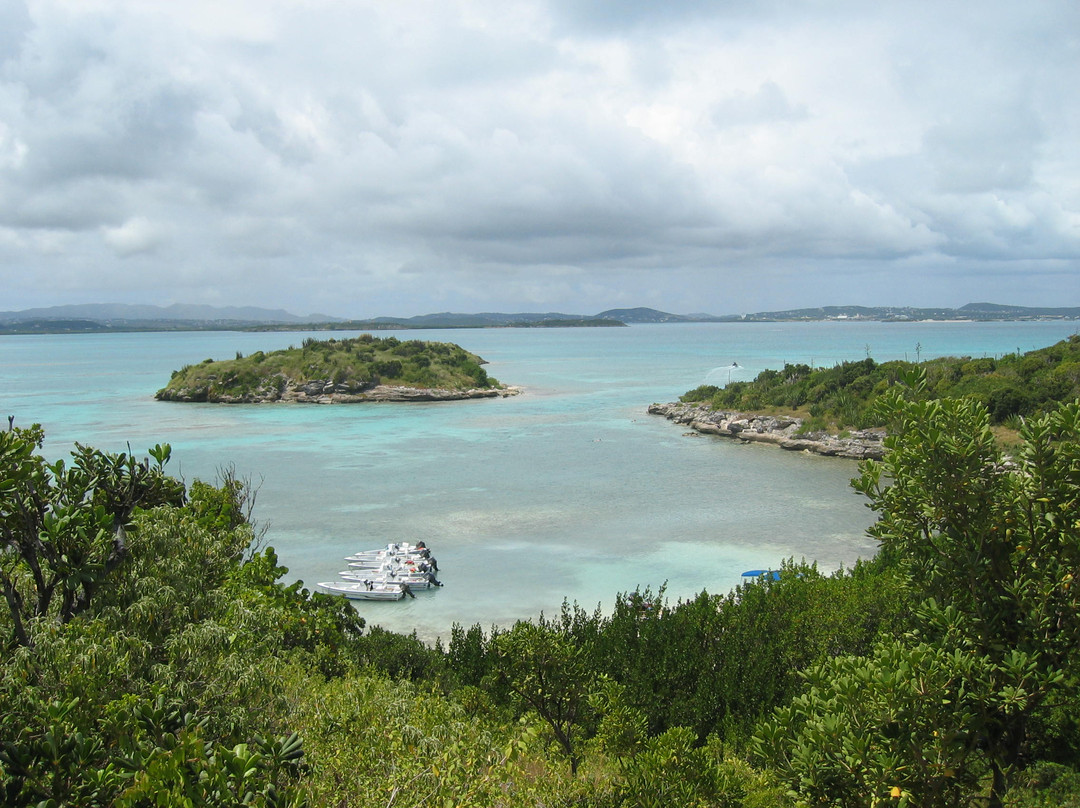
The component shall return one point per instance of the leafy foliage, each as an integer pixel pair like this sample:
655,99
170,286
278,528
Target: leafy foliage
371,740
897,723
1046,785
673,769
550,675
190,675
711,664
63,529
845,395
993,545
182,610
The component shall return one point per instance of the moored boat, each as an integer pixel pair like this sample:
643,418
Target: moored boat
389,573
396,565
415,581
392,550
366,590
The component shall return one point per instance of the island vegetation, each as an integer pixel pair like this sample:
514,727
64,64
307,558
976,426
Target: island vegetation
1011,387
445,321
363,368
154,655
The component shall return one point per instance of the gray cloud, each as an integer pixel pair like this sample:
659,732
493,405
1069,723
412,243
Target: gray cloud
367,158
994,151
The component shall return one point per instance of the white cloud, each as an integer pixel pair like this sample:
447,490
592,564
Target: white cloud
527,152
135,236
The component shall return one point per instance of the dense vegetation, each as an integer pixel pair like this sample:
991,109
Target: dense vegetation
343,366
153,657
1016,385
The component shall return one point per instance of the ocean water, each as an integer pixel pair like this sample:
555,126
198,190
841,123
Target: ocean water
568,491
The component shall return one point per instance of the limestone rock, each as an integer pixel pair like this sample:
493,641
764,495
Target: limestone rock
782,431
322,391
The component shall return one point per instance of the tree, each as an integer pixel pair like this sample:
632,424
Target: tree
867,731
550,675
993,544
63,529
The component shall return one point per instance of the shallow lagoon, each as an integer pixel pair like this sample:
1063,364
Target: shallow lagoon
568,491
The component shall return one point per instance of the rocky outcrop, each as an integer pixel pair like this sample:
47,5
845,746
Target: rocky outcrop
779,430
323,391
383,392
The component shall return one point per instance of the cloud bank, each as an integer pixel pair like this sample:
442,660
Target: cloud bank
370,158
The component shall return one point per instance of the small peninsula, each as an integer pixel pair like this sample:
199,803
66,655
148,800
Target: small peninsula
359,369
832,411
787,432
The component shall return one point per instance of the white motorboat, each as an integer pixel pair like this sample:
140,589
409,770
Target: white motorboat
418,581
408,565
390,573
377,563
392,550
367,590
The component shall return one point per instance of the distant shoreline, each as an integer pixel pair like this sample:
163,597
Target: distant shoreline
107,318
167,326
162,328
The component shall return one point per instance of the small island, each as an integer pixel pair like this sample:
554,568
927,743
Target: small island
358,369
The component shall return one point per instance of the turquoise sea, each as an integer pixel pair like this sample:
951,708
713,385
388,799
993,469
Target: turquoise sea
569,490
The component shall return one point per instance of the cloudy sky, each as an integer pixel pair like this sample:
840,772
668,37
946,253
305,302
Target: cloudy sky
399,157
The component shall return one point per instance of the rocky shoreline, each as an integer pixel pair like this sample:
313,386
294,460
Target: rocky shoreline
326,392
778,430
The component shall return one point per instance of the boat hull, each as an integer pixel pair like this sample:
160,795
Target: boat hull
412,581
358,590
403,550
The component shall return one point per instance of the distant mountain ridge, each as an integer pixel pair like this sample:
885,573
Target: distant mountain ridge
126,312
643,315
101,317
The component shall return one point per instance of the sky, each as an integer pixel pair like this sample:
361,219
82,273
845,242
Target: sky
398,157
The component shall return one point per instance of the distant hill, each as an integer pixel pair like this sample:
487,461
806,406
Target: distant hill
122,313
642,315
851,313
998,310
484,319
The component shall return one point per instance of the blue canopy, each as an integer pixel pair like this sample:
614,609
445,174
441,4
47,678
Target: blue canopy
758,573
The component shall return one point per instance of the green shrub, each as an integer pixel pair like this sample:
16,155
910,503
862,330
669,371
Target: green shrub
1045,785
363,359
846,393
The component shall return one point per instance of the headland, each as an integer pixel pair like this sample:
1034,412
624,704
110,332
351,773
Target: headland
777,430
